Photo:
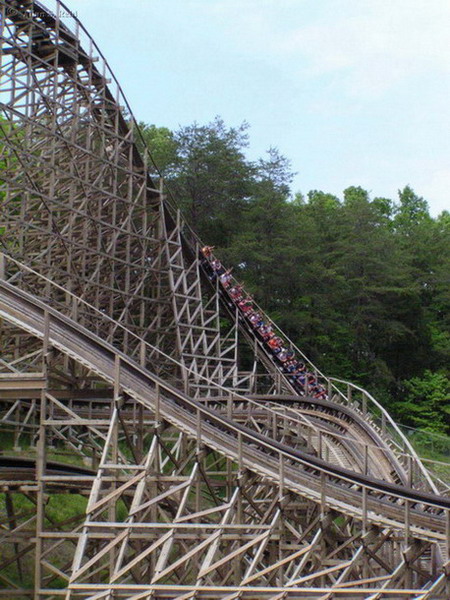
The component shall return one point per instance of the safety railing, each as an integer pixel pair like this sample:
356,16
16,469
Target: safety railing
416,513
66,22
280,419
368,407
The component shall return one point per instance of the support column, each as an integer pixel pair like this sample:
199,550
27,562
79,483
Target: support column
40,464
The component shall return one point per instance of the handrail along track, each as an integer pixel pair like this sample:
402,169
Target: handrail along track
191,244
263,455
249,433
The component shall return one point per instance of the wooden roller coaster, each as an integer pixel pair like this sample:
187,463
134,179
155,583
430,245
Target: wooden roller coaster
141,460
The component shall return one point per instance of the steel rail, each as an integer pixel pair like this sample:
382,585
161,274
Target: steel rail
258,453
19,462
372,442
396,452
53,20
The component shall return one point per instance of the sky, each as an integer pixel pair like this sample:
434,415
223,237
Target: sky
353,92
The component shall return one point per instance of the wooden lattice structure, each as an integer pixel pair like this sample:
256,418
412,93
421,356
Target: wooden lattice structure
120,373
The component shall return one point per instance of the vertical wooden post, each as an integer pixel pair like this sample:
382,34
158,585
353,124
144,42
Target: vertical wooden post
140,432
278,382
2,266
142,354
410,470
281,478
366,459
17,431
157,404
329,389
114,456
41,462
365,565
240,466
274,425
199,429
407,524
323,494
230,405
364,509
447,536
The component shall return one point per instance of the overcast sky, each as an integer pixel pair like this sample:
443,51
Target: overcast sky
353,92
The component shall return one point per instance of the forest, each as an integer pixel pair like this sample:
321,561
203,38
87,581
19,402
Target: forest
359,283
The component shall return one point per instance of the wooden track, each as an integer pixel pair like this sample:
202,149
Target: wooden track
376,503
259,454
207,482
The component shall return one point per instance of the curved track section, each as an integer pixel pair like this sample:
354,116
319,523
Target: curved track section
199,491
295,373
373,502
102,230
351,441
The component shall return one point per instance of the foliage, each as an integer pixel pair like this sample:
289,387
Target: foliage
360,284
10,138
426,402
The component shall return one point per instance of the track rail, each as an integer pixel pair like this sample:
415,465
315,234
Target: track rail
384,462
17,469
384,503
75,43
347,431
116,256
392,453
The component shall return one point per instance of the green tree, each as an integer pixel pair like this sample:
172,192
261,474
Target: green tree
426,402
411,212
212,179
263,243
360,284
163,148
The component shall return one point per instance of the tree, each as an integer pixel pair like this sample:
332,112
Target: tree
360,284
263,243
212,178
163,148
276,171
426,402
411,212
